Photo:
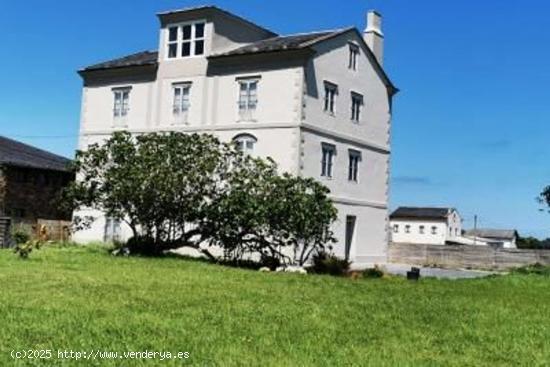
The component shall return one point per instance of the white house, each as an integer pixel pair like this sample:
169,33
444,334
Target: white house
505,238
430,226
318,103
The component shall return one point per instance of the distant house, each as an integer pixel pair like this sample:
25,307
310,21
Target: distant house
30,180
505,238
431,226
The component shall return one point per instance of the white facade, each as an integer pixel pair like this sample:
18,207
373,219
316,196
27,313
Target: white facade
428,231
286,119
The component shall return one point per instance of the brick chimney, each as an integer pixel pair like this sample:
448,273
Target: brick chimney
373,35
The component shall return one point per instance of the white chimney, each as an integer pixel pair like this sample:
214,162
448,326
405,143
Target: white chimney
373,35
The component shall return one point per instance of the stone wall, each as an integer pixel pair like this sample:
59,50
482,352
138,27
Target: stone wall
32,194
465,256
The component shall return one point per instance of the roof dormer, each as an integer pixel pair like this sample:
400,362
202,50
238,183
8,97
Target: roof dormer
203,31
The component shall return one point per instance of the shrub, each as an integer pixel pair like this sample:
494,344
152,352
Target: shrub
325,263
141,245
270,262
375,272
25,249
20,236
537,269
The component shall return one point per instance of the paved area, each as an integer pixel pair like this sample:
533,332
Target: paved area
401,269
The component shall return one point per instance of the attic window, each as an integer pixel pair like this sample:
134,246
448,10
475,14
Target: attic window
186,40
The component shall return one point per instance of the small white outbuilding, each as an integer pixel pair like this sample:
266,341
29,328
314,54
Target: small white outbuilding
425,225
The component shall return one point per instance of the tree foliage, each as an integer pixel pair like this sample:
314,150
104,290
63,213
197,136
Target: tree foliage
177,190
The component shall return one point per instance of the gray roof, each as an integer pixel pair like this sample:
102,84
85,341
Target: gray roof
508,234
14,153
284,43
272,44
279,43
137,59
421,212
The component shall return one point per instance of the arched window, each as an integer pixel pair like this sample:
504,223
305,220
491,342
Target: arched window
245,143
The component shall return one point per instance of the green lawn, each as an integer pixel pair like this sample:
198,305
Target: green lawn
84,299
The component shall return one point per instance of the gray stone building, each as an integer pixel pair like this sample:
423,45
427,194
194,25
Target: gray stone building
30,181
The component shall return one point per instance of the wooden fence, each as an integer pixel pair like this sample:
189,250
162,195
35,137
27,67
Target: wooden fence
4,232
465,256
56,230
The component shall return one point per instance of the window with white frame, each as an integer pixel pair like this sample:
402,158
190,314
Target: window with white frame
248,98
356,104
396,228
121,105
421,229
180,107
407,228
186,40
328,152
112,230
353,168
353,56
245,143
434,230
331,90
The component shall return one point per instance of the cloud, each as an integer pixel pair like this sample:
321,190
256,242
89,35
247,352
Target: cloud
495,144
413,180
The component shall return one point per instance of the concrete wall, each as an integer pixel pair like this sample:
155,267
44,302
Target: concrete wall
465,256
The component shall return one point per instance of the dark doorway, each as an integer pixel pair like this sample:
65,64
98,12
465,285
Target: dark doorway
350,232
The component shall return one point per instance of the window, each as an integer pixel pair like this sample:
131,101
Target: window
421,229
327,161
356,103
396,228
353,169
407,228
330,94
248,98
181,104
434,230
111,232
353,56
245,143
186,40
121,105
456,231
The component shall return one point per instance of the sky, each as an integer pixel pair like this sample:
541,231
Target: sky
471,123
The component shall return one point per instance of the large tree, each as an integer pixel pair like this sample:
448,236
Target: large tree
179,190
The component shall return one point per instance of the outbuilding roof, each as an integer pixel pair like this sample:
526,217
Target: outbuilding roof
508,234
14,153
421,212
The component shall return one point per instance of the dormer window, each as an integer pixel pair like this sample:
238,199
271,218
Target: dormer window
186,40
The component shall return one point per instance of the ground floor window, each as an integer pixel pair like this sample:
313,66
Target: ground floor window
112,230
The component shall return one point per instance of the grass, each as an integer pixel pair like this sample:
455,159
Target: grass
84,299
